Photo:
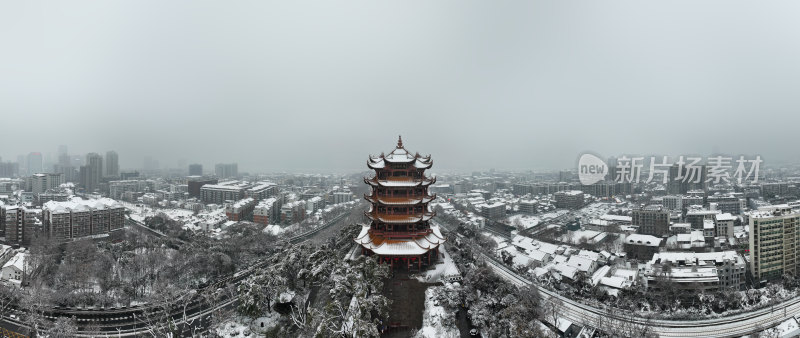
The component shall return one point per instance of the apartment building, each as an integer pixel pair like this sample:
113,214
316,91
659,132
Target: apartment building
774,236
78,218
224,191
572,199
652,220
241,210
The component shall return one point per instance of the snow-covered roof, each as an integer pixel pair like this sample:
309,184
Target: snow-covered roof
538,255
495,205
380,245
595,256
17,262
618,218
689,258
725,217
581,263
687,274
615,282
626,273
399,155
600,273
566,270
221,187
76,204
261,186
243,202
639,239
702,212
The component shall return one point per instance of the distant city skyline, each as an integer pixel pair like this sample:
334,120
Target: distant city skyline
148,162
532,86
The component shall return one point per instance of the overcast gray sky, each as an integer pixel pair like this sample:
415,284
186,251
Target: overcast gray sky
317,85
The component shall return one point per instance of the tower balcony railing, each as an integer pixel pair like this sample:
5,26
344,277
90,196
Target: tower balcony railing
400,213
422,179
389,234
398,199
399,216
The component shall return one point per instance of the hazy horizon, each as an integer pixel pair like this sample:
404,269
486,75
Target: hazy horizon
478,85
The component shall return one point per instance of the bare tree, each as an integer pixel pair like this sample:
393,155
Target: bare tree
553,307
34,302
8,297
63,328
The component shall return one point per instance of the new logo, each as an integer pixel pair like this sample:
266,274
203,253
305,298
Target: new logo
591,169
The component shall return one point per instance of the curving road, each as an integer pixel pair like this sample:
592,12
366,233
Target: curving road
730,326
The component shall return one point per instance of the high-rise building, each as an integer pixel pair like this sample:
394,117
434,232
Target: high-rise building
127,175
528,206
493,211
64,160
80,218
77,160
196,169
683,179
22,165
34,163
262,190
62,150
92,172
226,191
194,184
571,199
69,172
697,217
39,183
652,220
20,223
112,164
400,233
774,243
182,163
9,169
150,164
226,170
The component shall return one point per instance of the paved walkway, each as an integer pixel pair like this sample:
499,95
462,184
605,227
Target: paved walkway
408,304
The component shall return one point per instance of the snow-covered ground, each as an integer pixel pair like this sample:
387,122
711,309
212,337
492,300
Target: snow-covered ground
591,236
441,271
266,323
436,320
594,210
499,240
788,328
235,327
140,212
526,221
553,214
274,229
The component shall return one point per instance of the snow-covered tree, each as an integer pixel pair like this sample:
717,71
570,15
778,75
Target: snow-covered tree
356,308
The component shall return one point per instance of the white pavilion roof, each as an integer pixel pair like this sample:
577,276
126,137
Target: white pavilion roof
396,247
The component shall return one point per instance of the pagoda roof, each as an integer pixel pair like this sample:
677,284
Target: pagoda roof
400,182
399,200
399,247
400,155
407,219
